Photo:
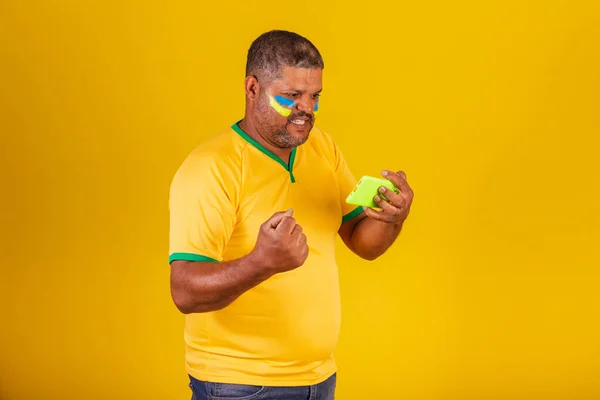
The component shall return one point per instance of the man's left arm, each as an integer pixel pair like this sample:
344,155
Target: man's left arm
372,232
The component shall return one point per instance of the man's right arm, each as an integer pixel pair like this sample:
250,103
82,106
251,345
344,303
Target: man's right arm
198,287
208,286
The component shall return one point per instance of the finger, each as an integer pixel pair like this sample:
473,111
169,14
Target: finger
305,252
388,212
276,219
398,179
386,207
377,215
396,199
302,240
404,186
297,231
286,225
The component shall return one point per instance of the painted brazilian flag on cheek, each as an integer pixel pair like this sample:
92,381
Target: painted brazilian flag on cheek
284,106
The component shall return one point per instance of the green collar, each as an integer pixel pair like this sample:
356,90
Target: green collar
263,149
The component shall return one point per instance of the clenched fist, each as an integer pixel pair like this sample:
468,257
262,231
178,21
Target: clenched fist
281,245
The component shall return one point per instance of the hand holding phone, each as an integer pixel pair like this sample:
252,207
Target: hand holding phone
366,189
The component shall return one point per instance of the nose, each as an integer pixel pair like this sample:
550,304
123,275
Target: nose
306,104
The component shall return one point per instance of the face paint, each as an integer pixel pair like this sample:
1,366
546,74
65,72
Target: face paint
282,105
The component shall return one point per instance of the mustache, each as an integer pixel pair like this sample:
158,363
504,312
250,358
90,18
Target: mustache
301,114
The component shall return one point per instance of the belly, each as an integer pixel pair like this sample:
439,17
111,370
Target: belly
293,316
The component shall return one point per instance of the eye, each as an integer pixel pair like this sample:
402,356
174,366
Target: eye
292,95
316,95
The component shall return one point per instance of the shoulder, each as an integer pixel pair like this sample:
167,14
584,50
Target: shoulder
219,152
216,160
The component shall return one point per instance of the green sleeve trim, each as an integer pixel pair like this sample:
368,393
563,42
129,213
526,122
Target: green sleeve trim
352,214
190,257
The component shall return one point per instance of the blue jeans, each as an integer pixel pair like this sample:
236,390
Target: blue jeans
225,391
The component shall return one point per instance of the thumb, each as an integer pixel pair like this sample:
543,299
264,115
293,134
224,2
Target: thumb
277,217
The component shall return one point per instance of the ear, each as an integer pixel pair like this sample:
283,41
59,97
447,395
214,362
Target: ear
252,87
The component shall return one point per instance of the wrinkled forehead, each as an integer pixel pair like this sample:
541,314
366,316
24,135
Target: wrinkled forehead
299,79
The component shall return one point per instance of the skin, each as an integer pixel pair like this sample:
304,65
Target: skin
281,246
372,232
204,286
267,126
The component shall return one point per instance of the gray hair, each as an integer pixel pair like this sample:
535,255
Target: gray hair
273,50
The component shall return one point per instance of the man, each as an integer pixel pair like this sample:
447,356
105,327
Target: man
254,215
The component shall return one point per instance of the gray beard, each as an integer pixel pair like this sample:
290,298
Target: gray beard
283,139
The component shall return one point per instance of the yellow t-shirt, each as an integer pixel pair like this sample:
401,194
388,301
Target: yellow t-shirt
283,331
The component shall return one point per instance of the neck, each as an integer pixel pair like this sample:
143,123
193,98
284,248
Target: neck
248,126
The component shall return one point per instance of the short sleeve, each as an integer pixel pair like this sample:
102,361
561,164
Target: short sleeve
201,209
346,182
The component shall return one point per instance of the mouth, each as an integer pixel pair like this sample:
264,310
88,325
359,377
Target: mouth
300,121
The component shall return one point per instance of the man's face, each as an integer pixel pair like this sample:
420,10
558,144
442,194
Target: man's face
285,112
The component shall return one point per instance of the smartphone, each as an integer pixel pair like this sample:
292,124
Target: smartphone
366,189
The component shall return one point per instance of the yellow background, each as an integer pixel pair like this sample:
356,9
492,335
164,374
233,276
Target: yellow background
491,107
